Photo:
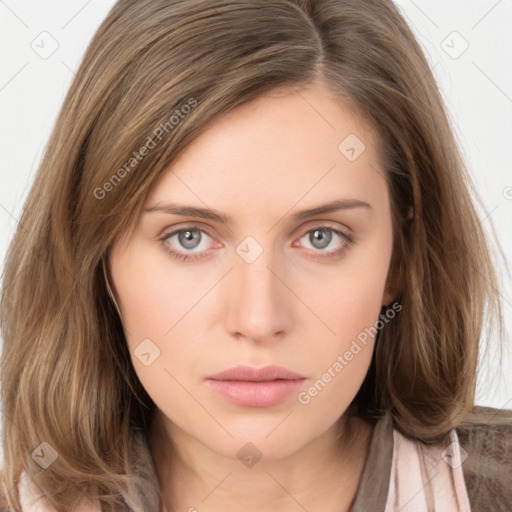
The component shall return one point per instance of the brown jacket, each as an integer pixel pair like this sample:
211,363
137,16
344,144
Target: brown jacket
486,436
488,468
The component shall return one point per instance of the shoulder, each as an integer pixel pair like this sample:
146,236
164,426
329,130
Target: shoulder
144,495
31,497
33,500
486,438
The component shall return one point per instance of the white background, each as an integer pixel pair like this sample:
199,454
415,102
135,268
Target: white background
477,87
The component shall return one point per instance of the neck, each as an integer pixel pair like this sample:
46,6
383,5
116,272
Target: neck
322,475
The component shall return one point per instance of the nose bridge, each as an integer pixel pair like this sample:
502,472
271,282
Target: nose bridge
258,306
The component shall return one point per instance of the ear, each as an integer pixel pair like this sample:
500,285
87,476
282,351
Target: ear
393,286
395,278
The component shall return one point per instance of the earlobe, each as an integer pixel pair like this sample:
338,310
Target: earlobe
393,286
397,268
388,299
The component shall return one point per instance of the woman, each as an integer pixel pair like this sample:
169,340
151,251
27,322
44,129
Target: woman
250,276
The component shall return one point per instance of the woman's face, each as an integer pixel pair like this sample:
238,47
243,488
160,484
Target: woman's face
269,286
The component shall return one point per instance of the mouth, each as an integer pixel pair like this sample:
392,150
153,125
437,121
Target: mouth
256,387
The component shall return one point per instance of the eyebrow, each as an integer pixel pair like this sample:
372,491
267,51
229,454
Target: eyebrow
222,218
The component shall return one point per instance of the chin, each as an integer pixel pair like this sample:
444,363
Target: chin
263,439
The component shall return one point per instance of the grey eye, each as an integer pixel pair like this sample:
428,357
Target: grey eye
319,239
188,238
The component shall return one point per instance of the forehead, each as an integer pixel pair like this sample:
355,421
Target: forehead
287,147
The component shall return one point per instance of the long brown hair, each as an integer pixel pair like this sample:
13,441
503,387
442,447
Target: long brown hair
155,75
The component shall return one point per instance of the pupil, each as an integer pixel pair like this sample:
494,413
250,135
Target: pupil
320,234
188,238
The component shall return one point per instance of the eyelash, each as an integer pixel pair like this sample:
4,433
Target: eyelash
349,240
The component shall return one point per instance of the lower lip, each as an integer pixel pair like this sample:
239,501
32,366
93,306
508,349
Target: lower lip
255,394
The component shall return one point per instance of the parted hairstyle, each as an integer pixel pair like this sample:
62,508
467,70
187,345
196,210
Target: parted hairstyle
155,75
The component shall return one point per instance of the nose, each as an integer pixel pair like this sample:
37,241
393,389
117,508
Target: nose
259,305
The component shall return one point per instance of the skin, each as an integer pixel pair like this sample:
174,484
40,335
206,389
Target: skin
260,164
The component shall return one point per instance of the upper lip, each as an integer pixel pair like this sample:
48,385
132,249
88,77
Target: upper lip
248,373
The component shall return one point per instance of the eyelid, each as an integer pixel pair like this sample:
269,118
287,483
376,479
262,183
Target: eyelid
183,226
313,224
322,224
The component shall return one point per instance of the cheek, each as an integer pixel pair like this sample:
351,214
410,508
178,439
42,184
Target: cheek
162,315
154,306
341,360
350,298
152,293
349,303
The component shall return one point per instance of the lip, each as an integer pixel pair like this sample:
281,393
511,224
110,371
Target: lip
248,373
255,387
